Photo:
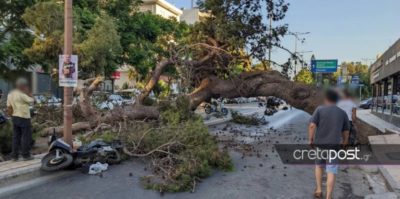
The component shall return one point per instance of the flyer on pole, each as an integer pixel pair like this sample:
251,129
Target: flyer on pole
68,70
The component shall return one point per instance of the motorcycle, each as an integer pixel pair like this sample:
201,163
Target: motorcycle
216,107
61,154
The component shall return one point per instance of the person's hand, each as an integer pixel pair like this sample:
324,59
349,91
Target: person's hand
28,92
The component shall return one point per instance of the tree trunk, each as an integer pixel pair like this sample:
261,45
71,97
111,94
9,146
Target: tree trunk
255,84
153,79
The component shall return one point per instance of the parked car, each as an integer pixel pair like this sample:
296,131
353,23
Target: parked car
232,101
52,101
112,101
128,96
366,104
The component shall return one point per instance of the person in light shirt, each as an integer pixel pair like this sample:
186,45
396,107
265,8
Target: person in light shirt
18,106
347,104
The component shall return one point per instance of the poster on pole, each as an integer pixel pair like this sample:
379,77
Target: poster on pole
68,70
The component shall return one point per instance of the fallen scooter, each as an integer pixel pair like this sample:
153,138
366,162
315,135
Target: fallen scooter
61,154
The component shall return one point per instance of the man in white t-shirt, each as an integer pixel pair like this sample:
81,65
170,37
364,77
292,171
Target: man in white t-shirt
347,104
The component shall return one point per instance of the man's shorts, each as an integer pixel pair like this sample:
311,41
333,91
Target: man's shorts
330,167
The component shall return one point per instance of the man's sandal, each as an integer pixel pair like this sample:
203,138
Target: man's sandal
317,194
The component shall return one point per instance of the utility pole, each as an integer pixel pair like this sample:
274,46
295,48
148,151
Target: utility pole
297,38
68,91
270,36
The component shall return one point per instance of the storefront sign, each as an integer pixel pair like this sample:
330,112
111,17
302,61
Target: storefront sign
116,75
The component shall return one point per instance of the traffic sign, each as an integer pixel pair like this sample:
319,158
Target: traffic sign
324,66
355,80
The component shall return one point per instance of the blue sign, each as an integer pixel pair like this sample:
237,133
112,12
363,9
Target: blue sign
355,80
339,80
324,66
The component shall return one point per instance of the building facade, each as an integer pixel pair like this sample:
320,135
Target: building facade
191,16
124,81
385,80
162,8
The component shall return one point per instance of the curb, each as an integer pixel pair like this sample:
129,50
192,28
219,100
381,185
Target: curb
21,169
26,185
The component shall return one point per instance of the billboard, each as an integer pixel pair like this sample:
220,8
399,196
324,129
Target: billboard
324,66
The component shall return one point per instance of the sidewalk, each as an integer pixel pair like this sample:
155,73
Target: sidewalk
390,173
373,120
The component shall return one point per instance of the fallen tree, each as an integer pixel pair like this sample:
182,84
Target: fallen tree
247,84
255,84
94,117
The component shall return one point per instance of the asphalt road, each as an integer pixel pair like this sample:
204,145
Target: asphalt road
260,176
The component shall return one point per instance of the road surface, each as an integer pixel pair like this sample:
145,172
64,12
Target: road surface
259,173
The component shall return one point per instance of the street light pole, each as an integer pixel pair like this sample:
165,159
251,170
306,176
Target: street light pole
68,91
297,38
270,36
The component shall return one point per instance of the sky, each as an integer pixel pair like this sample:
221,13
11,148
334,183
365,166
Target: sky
347,30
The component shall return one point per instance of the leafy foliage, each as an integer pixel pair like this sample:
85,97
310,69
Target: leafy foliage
101,48
248,120
13,35
243,23
305,76
356,68
44,19
240,34
107,34
179,145
5,138
147,38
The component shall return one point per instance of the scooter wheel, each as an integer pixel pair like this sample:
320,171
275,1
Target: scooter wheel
48,163
114,158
